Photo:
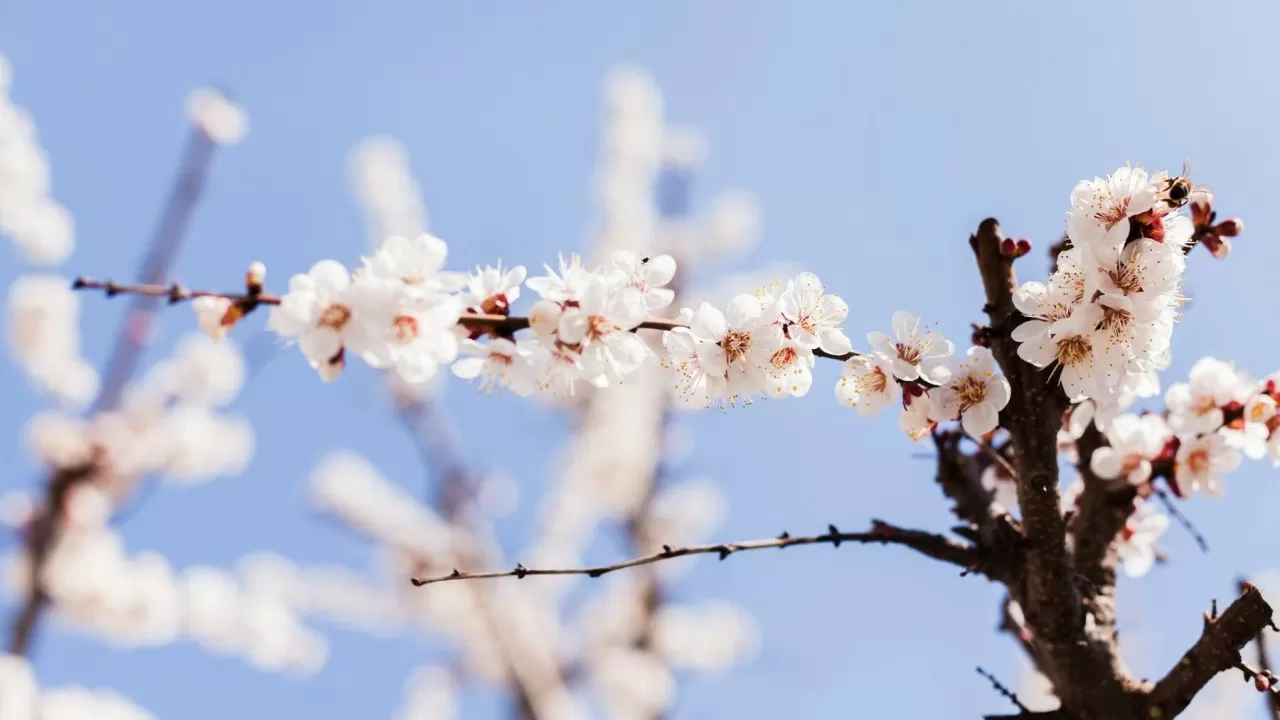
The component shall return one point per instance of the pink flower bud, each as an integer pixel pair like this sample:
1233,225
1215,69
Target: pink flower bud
1230,227
1024,247
1218,246
1009,247
1261,683
1202,210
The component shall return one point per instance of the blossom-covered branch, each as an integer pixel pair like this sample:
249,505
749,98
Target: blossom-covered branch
930,544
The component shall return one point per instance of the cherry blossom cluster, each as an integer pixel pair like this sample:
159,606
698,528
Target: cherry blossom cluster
168,424
1105,317
761,343
919,368
21,698
41,228
139,600
1217,417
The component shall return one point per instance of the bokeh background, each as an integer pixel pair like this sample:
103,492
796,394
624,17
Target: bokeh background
875,137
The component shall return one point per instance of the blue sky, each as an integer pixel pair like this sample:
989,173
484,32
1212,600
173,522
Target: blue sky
876,137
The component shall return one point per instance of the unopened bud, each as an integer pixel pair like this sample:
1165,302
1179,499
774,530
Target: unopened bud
255,276
1009,247
1261,683
1230,227
1218,246
544,317
1024,247
1202,209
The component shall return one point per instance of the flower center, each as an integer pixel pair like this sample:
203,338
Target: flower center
598,326
875,381
736,344
1112,211
1115,321
909,354
404,328
1073,350
1198,462
334,316
1128,275
1203,404
971,391
784,358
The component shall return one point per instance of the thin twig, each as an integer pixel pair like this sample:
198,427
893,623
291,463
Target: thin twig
1006,692
177,293
1264,669
933,545
1172,508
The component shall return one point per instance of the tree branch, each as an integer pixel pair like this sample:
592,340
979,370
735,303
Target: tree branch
930,544
1264,668
1104,508
1218,649
502,324
1085,673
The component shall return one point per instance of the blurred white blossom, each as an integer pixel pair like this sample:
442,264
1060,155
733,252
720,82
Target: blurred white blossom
43,319
217,116
42,229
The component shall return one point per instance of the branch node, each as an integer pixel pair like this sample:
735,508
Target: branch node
520,571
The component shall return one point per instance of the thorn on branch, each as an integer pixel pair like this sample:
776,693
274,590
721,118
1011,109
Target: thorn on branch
834,532
520,571
784,536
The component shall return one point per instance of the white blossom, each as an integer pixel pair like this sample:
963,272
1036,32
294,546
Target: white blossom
1134,442
1137,547
1201,463
1196,406
491,289
499,363
41,228
814,317
867,383
976,392
913,352
222,120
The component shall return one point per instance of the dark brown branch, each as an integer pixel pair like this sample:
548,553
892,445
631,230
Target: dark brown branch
1085,673
930,544
1104,508
1264,668
1217,650
1058,714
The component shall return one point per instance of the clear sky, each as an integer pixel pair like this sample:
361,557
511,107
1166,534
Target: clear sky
876,136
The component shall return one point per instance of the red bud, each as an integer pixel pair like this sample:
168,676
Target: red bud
1009,247
1230,227
1261,683
1024,247
1217,245
1201,211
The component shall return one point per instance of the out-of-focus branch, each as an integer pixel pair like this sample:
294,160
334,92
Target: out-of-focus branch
121,366
1217,650
1086,674
930,544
